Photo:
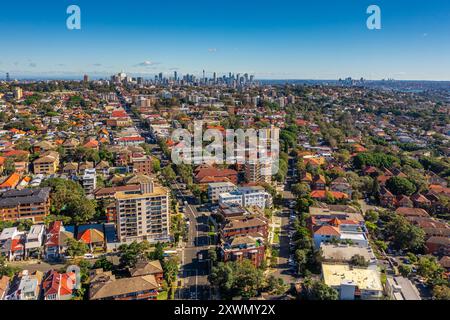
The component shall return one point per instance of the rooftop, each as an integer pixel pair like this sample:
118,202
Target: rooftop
366,279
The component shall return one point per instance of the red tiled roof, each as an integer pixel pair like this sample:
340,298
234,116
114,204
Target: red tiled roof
327,230
131,139
322,194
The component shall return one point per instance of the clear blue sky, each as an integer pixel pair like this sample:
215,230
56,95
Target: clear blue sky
320,39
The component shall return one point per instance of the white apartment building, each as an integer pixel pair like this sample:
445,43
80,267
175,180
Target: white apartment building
247,197
143,215
89,181
217,188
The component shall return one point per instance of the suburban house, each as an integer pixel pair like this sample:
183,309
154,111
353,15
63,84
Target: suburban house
58,286
25,286
56,241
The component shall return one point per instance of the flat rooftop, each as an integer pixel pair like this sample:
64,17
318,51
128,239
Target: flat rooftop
340,252
366,279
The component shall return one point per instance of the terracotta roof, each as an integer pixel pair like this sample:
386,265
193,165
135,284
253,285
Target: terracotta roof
91,236
322,194
11,181
327,230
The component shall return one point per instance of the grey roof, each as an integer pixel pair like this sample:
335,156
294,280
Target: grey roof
13,198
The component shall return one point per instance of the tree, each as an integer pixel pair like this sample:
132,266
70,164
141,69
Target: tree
68,199
104,264
237,279
376,159
156,165
303,203
359,261
430,269
404,235
168,173
158,253
300,189
301,257
400,186
6,270
76,248
131,253
441,292
372,216
275,285
318,290
405,270
81,210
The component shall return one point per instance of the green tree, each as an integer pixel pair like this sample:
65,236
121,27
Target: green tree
168,173
404,235
237,279
430,269
156,165
131,253
76,248
400,185
318,290
300,189
359,261
104,264
158,253
441,292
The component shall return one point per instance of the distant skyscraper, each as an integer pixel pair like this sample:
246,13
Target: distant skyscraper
204,79
7,77
86,78
214,77
175,75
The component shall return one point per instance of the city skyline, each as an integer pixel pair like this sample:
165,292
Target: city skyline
294,40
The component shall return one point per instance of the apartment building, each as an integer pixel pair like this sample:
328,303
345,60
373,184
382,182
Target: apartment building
247,197
48,163
217,188
258,172
89,181
143,215
33,204
141,164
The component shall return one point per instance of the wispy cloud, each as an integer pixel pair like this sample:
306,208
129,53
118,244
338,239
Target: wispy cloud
212,50
33,65
147,63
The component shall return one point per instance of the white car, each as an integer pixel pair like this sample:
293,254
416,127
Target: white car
89,256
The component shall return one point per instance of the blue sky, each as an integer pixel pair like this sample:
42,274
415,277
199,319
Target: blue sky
321,39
